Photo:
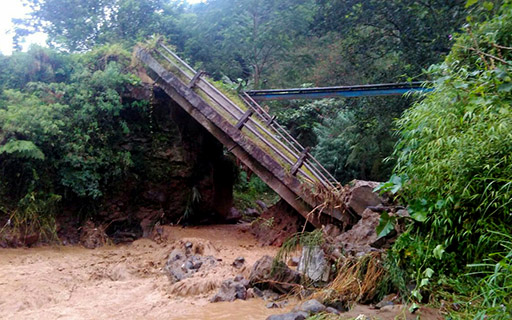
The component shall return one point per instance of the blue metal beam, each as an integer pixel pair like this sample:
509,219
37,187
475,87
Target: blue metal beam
335,92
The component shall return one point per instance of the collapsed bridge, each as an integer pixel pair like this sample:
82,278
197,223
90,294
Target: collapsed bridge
250,133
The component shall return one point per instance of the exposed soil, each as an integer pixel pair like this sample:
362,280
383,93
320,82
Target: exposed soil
276,224
128,281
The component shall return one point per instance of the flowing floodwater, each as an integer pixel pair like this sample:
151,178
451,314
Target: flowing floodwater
127,281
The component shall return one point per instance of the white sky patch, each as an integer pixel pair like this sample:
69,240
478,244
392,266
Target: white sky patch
15,9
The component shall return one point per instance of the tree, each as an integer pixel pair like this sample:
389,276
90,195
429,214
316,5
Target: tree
247,35
417,31
79,25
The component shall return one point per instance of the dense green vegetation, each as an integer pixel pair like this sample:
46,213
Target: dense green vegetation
61,114
61,125
455,168
270,44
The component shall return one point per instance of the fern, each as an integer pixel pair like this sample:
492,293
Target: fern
22,149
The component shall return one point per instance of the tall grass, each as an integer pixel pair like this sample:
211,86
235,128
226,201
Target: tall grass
495,288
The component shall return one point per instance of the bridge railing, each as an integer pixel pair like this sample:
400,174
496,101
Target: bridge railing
256,123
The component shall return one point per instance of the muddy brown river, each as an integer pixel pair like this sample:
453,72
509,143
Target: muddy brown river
127,281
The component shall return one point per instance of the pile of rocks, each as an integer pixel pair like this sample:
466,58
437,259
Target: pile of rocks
265,281
183,263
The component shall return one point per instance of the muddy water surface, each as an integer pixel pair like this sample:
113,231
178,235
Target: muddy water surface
127,282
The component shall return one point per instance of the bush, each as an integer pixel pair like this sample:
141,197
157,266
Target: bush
455,154
59,140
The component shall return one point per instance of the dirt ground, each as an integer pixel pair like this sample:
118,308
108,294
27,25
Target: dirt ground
127,281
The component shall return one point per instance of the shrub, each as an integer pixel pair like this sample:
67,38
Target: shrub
455,154
60,140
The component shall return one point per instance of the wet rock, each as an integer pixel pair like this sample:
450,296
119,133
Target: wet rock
313,264
181,264
269,295
383,304
233,216
361,196
176,255
362,235
230,290
173,267
403,213
386,301
239,262
340,305
242,280
252,213
277,305
304,293
312,306
289,316
332,230
194,263
332,310
281,279
390,308
262,205
255,292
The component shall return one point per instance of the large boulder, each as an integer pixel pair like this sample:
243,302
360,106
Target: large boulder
313,264
230,290
361,196
312,306
289,316
279,277
362,235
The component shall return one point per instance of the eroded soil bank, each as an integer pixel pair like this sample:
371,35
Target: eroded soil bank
128,282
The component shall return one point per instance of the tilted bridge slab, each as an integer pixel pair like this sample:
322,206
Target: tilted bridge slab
250,133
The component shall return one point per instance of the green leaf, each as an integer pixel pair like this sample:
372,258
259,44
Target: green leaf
414,307
419,215
393,185
417,294
469,3
386,225
488,5
22,149
428,273
505,87
438,252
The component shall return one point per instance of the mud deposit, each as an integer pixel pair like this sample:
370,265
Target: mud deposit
127,282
